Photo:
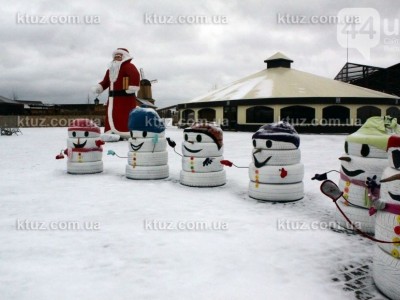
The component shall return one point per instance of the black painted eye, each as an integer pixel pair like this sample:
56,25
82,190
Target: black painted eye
268,144
346,147
86,133
254,143
186,137
144,133
73,133
198,138
131,134
365,150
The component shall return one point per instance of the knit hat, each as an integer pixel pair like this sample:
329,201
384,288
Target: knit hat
84,125
211,130
375,132
281,132
145,119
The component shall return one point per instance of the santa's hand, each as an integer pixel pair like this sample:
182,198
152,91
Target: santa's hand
97,89
132,89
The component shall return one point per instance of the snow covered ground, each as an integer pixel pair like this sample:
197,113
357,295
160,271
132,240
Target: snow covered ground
124,250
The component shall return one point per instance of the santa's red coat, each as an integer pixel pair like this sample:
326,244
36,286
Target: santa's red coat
120,103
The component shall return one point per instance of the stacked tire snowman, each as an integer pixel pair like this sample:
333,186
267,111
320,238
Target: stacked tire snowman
386,265
202,151
364,160
147,156
84,148
276,173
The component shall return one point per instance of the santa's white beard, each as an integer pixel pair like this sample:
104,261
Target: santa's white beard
114,70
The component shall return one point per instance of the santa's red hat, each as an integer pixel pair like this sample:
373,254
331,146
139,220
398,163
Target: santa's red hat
123,51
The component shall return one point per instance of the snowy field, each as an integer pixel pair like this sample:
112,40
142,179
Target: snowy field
125,248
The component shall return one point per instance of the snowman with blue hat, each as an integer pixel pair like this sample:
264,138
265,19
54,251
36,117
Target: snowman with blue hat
147,155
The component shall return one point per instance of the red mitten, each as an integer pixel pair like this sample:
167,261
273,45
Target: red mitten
99,143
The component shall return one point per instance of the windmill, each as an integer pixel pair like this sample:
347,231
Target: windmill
145,87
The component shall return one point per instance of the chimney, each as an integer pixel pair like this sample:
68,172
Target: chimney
145,91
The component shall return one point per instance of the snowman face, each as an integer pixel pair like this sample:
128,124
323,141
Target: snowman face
350,167
272,145
145,134
194,140
135,144
195,137
82,134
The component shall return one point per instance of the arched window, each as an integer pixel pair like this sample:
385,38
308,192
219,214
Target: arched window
336,114
365,112
188,116
206,114
394,112
298,114
259,114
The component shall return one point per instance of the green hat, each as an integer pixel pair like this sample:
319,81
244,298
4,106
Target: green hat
375,132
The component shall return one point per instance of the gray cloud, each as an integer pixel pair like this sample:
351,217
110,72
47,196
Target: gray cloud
58,63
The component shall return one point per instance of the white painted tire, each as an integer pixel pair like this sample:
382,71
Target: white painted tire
84,142
269,144
146,172
355,149
276,192
278,157
148,158
272,174
384,230
147,145
85,168
356,194
392,186
83,157
202,165
386,273
370,166
358,216
201,150
139,134
211,179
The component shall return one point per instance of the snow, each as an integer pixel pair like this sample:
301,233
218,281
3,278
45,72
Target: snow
245,254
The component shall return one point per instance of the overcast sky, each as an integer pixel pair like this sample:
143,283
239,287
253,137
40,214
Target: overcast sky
59,61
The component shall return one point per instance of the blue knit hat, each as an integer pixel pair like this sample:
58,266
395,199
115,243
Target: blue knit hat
145,119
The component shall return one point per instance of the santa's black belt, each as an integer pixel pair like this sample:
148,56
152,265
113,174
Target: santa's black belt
120,93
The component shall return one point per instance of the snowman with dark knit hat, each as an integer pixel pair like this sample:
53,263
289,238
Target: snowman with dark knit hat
147,156
202,151
276,173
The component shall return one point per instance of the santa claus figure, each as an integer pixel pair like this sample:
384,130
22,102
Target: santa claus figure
123,81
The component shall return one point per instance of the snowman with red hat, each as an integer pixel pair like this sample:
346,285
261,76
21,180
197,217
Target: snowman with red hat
386,265
84,148
202,151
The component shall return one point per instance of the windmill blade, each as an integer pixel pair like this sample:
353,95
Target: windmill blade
141,73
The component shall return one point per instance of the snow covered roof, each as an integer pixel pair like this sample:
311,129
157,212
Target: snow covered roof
8,101
285,82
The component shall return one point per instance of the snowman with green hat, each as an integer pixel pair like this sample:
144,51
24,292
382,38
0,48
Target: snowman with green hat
362,165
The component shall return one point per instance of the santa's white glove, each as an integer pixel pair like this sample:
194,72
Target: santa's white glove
97,89
132,89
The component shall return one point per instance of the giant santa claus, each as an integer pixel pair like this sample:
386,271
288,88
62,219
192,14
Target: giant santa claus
123,81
